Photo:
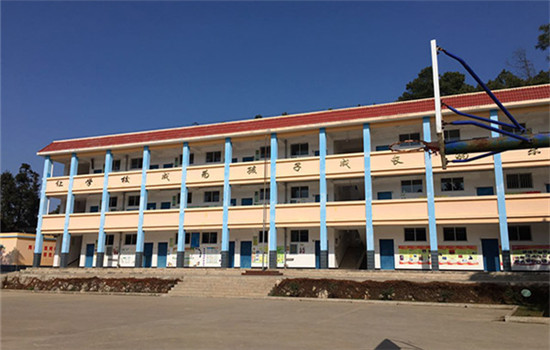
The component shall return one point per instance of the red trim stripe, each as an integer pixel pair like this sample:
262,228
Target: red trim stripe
409,107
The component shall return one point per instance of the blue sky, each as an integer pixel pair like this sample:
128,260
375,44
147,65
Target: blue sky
75,69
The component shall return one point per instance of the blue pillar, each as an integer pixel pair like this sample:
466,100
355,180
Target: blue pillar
432,227
368,198
183,205
140,242
501,203
39,240
104,208
323,259
273,203
226,202
68,211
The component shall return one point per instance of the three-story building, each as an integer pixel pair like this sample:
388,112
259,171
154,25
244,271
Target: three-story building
312,190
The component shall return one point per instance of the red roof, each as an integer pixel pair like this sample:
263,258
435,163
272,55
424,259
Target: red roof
390,109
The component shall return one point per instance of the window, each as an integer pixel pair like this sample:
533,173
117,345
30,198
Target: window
98,171
299,192
165,205
153,166
130,239
211,196
485,191
189,198
547,188
136,163
415,136
261,194
213,157
415,234
411,186
301,236
384,195
454,234
264,152
133,201
262,238
233,202
109,239
299,149
168,165
113,201
452,135
209,237
247,201
248,159
382,148
116,165
452,184
94,209
151,206
192,158
234,160
515,181
519,232
187,238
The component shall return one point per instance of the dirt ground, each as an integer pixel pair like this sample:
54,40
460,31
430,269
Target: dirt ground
93,284
443,292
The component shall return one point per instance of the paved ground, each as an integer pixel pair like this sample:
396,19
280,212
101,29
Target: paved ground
74,321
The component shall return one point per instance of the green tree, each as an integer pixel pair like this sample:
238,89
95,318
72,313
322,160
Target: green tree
544,38
450,83
20,200
505,79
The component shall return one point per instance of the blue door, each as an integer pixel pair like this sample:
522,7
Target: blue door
147,254
195,239
231,254
89,255
317,254
387,259
161,255
246,254
491,261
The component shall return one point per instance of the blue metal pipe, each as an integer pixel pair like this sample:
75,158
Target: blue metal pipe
469,122
487,90
479,118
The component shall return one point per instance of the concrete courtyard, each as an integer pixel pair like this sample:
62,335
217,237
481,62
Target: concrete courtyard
85,321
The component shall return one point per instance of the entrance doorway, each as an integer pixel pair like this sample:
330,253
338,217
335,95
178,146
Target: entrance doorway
491,260
387,259
147,254
161,255
246,254
89,255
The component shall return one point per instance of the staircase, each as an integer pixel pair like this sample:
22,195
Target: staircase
352,258
225,286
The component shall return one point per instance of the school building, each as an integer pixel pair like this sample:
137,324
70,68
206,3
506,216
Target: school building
312,190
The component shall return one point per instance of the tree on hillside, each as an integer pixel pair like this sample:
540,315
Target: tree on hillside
20,200
505,79
450,83
544,38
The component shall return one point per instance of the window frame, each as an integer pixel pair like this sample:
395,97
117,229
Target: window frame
132,238
299,149
415,231
138,165
299,236
209,238
452,182
209,196
515,234
213,157
519,181
451,234
411,185
300,192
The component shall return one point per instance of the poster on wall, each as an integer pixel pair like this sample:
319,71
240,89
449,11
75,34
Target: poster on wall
257,255
530,255
414,255
464,255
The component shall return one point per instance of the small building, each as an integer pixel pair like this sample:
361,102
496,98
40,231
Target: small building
17,248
